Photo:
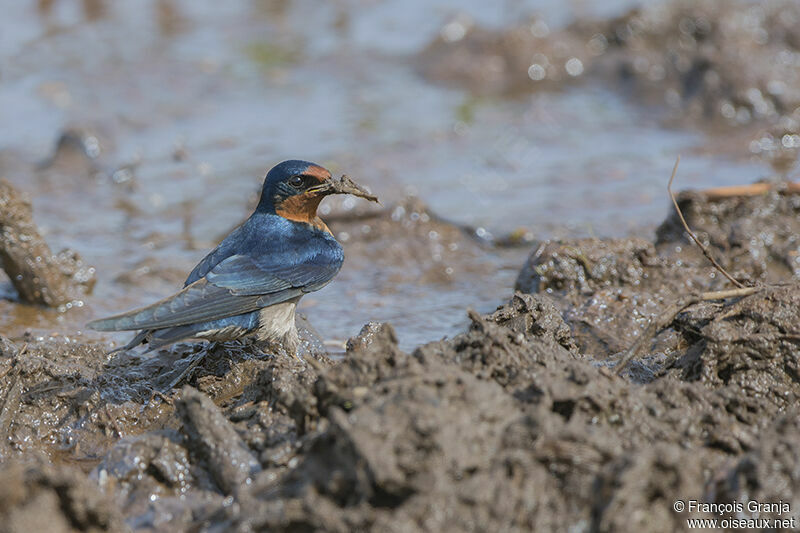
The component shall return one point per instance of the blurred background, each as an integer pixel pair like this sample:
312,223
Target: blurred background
142,131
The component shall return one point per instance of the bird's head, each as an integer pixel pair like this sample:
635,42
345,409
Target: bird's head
293,189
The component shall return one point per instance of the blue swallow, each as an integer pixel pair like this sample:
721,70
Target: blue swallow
250,284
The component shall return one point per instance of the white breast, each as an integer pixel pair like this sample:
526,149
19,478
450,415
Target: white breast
276,324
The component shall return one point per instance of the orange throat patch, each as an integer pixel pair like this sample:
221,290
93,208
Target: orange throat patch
302,208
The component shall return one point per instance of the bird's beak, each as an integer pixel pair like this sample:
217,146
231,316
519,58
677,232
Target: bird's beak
344,185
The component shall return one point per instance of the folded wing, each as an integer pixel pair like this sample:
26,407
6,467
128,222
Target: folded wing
239,284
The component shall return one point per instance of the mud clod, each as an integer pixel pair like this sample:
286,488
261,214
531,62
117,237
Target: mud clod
637,491
389,460
373,356
509,61
748,349
585,265
721,64
755,237
535,315
7,348
767,474
48,498
368,335
214,440
609,289
39,276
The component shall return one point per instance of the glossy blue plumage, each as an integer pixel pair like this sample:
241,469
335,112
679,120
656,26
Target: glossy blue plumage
264,263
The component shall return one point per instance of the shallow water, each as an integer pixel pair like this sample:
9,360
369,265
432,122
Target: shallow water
195,100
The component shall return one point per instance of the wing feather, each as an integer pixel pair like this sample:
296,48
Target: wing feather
239,284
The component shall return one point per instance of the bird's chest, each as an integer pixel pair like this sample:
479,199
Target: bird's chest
276,321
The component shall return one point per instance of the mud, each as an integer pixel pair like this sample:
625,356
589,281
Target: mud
713,64
407,242
512,60
733,64
38,275
45,497
518,423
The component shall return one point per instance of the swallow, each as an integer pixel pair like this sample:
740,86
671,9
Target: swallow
249,285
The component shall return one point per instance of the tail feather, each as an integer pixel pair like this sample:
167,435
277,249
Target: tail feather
164,337
123,322
148,316
228,328
108,324
138,339
159,338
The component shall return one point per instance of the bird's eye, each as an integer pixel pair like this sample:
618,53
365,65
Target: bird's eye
296,181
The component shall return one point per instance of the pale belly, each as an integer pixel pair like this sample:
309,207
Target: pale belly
276,324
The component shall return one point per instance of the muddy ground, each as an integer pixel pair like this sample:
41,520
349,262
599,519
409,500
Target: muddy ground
518,423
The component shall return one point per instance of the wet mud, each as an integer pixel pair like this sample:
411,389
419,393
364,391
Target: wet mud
38,275
520,422
711,64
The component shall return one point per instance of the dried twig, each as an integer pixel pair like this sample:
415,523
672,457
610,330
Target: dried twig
662,321
655,326
9,368
730,293
754,189
113,422
158,394
691,233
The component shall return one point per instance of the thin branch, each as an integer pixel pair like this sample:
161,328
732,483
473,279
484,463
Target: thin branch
754,189
730,293
663,321
691,233
656,325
